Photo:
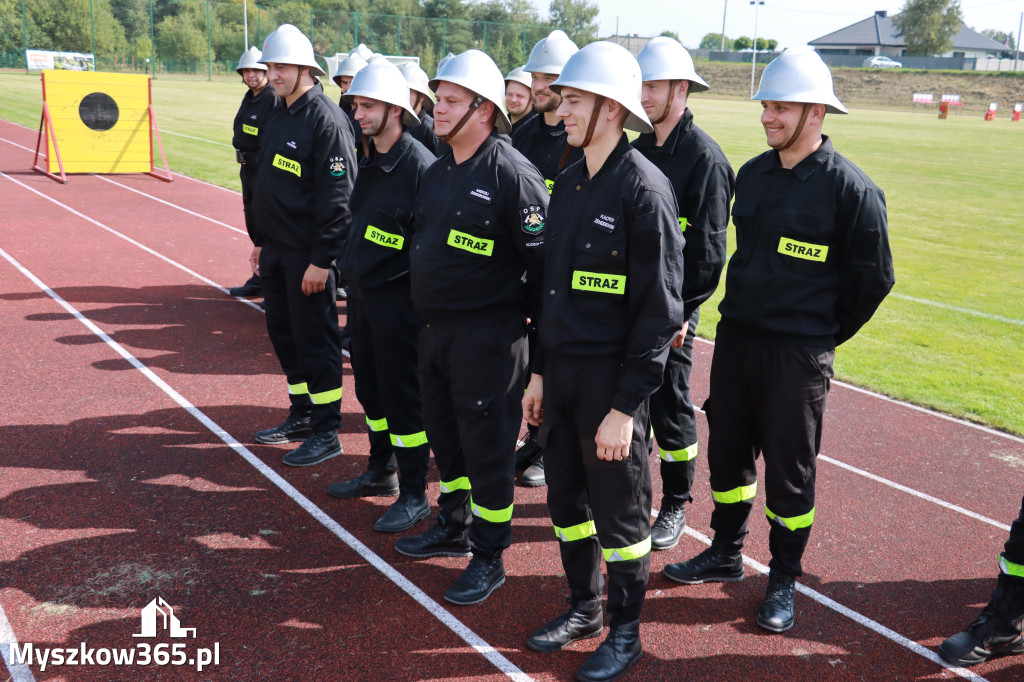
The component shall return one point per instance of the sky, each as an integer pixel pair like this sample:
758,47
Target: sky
791,22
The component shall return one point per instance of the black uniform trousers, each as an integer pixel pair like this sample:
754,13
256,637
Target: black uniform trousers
597,507
675,423
472,378
304,332
765,399
1014,548
383,331
247,175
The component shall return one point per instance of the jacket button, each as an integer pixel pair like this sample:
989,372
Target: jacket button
588,245
577,186
552,292
615,253
479,402
487,222
458,213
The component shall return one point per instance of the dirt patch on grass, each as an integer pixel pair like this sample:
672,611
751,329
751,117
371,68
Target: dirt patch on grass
889,87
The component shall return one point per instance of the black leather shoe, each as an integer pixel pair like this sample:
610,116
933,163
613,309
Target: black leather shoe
403,514
617,654
707,567
484,575
528,453
252,287
584,620
321,446
668,527
441,540
776,612
292,430
533,477
997,631
366,484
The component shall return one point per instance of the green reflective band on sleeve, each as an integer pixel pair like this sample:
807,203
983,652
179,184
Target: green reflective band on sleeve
599,281
377,424
636,551
456,484
682,224
1010,568
467,242
744,492
793,522
326,397
492,515
791,247
298,389
378,236
250,130
550,184
409,441
578,532
684,455
284,164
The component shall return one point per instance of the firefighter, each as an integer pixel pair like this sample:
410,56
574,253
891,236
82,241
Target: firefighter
519,101
611,307
301,207
421,99
703,183
344,72
256,106
812,265
542,140
381,320
476,273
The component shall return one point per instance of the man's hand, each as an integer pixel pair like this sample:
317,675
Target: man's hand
254,260
533,400
677,342
313,280
614,436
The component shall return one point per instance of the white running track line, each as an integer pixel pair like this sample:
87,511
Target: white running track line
407,586
966,311
200,139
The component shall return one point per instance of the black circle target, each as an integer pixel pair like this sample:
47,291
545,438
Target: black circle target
98,110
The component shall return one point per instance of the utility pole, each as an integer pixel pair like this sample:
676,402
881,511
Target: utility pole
1016,52
245,24
725,6
753,62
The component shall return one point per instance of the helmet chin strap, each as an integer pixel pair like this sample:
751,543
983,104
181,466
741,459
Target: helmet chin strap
378,131
668,105
799,129
598,103
458,126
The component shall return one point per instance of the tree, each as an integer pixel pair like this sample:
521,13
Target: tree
928,26
576,18
742,43
766,44
671,34
713,41
1001,37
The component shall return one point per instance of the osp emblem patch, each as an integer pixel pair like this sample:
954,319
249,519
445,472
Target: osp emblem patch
336,166
533,219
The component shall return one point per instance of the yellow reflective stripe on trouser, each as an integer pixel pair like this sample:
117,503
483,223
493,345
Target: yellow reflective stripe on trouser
792,522
741,494
298,389
456,484
492,515
1010,568
578,532
684,455
377,424
326,397
636,551
410,440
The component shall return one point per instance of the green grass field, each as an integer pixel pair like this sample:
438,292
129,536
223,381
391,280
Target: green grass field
951,336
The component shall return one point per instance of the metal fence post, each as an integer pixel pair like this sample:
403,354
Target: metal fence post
92,25
399,34
24,31
209,54
152,38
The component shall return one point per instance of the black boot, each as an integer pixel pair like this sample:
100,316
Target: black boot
528,452
252,287
668,527
322,445
366,484
294,428
617,654
710,566
533,477
440,540
998,631
776,612
583,620
485,574
404,514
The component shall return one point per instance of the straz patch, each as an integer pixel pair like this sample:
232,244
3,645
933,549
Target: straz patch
803,250
533,219
467,242
600,282
481,194
378,236
289,165
336,166
550,184
682,224
250,130
605,222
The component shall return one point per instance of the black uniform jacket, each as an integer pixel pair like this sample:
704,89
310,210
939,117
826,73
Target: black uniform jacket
516,125
353,125
250,119
812,260
478,246
301,204
703,182
383,202
424,133
544,146
613,271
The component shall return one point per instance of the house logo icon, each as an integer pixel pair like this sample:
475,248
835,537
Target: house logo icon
151,616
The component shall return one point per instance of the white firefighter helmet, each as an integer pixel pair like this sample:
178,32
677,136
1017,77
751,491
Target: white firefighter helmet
609,70
518,75
417,78
250,59
444,60
478,73
288,45
799,75
551,53
382,81
665,59
349,66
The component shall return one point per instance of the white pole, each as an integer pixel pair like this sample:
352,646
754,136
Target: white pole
1016,50
753,62
245,23
725,6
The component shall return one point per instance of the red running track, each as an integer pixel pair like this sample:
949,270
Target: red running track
128,473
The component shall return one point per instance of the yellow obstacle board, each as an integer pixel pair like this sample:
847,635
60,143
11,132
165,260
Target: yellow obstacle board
100,121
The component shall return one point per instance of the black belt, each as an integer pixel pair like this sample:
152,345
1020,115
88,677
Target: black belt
247,157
